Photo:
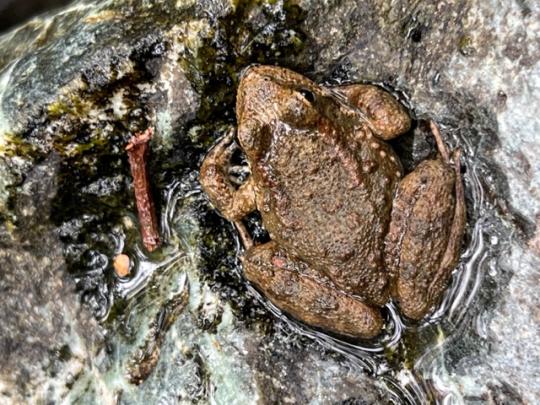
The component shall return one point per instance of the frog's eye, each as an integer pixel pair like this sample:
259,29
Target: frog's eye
308,95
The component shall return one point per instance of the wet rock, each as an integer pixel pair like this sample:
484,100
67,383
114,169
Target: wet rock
47,338
75,86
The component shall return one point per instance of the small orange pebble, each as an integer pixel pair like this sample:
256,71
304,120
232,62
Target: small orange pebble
121,265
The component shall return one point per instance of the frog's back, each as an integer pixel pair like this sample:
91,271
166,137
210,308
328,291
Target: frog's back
327,201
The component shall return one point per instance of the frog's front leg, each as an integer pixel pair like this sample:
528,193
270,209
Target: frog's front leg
299,291
387,116
233,202
424,239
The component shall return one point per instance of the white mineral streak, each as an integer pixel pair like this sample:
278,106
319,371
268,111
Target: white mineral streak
4,125
182,100
4,128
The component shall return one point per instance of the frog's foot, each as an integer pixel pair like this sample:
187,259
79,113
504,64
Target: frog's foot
424,239
233,201
388,118
301,292
441,146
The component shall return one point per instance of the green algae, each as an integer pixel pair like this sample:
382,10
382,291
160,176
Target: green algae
13,145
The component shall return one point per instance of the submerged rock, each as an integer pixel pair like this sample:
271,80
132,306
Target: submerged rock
75,85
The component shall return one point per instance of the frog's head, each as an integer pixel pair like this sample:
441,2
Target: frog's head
270,101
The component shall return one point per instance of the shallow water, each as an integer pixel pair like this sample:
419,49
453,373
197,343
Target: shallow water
218,330
405,357
434,333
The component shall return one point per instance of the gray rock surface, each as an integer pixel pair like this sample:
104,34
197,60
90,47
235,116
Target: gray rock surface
46,339
75,85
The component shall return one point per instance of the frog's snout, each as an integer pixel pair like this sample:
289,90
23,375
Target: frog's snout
249,94
255,74
245,71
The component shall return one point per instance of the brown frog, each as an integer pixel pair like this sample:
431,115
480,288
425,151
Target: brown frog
347,231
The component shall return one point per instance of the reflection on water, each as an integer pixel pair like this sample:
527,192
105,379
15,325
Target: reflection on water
406,358
433,334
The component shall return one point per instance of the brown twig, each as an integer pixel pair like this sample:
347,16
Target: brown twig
137,150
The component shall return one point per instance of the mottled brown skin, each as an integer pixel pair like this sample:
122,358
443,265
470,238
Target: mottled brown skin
426,228
324,182
304,294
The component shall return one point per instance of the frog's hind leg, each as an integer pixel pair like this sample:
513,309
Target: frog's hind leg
233,202
426,229
387,116
301,292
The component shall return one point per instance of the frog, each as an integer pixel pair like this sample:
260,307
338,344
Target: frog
348,230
